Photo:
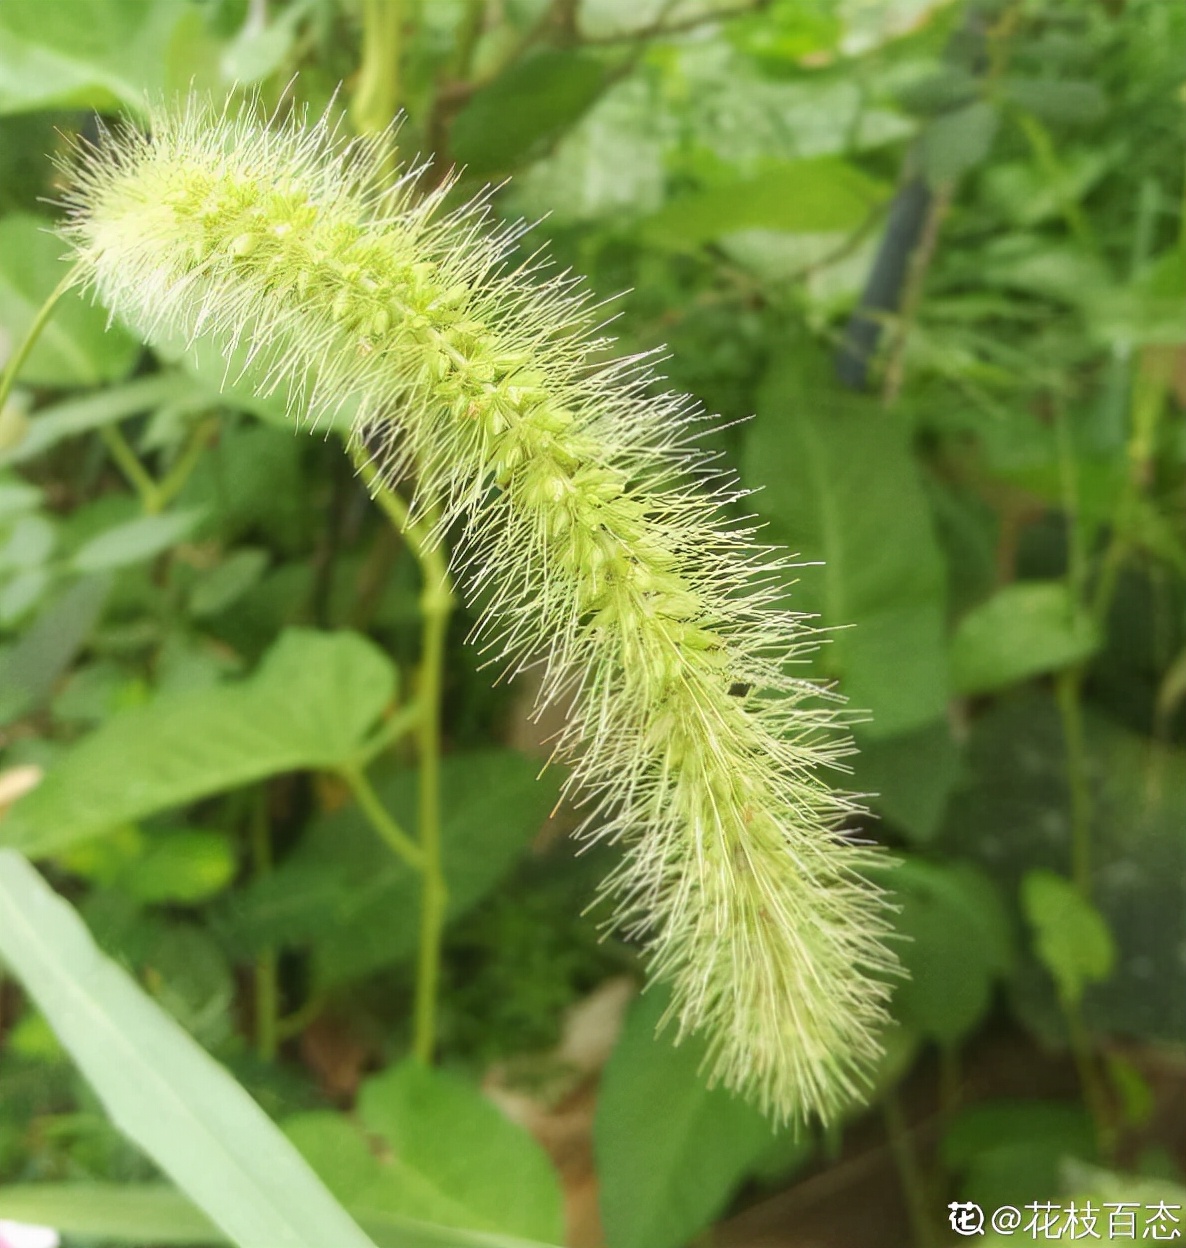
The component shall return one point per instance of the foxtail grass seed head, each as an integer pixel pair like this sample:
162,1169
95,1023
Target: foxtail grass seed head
596,533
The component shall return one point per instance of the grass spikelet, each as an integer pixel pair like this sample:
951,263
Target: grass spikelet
597,533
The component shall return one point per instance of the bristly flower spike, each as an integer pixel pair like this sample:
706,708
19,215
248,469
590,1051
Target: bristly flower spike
596,532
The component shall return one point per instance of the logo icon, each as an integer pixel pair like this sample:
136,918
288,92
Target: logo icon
966,1218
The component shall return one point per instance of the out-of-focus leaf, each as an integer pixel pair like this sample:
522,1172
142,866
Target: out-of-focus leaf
669,1151
30,669
1010,1152
1029,195
788,31
163,1091
143,1213
310,705
134,541
815,195
185,866
1071,935
1025,629
1011,814
938,91
190,976
843,488
175,865
227,581
343,891
534,100
75,347
74,416
85,53
1059,101
958,141
957,944
18,498
908,777
1031,263
154,1213
18,594
28,544
1147,311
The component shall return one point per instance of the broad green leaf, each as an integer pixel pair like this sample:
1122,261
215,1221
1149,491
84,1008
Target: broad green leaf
486,1171
1011,813
343,891
310,705
814,195
842,487
1026,629
75,347
532,101
154,1213
134,541
1070,934
162,1091
958,141
956,945
84,53
908,777
670,1151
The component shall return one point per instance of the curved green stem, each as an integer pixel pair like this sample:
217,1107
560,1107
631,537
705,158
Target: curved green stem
267,984
378,817
21,354
377,94
129,464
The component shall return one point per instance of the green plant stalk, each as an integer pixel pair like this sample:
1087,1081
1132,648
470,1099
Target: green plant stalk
1068,684
128,462
378,817
469,30
21,354
174,480
267,987
377,94
910,1176
1094,1093
436,606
